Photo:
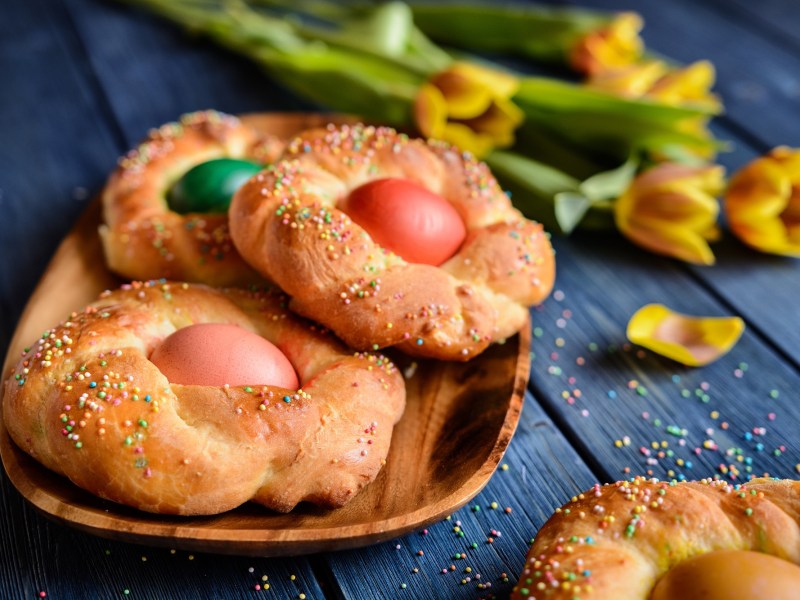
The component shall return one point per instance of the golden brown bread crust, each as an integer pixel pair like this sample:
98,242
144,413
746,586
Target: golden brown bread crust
142,238
86,402
285,221
613,542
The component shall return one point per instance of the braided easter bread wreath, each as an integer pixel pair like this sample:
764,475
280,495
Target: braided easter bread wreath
144,237
289,223
87,402
649,540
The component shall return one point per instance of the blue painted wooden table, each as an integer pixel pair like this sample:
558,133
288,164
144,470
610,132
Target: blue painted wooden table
83,80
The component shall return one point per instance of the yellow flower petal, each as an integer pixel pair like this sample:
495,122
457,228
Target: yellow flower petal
430,111
692,341
709,178
789,160
498,122
629,81
615,45
688,85
676,242
504,85
465,97
672,210
465,138
762,203
470,107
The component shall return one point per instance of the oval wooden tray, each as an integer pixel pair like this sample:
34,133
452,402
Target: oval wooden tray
458,421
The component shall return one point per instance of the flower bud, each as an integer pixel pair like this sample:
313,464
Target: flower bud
615,45
470,107
672,209
762,203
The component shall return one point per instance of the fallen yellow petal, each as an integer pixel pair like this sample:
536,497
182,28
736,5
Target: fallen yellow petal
692,341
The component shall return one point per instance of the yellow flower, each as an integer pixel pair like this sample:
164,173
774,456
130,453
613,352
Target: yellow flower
616,45
655,80
470,107
762,203
693,341
629,81
687,86
672,210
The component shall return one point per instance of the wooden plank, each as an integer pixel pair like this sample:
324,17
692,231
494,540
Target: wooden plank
43,557
543,473
777,19
601,390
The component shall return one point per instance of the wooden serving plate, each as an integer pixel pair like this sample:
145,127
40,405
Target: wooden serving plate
459,419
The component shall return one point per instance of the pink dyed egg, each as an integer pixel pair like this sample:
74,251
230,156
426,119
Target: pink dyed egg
217,353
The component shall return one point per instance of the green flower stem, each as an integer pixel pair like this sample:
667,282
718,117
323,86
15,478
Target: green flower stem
320,77
337,77
557,200
600,217
532,185
387,30
563,96
539,144
606,126
542,33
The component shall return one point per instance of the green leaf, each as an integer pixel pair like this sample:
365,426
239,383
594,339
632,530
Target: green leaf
610,184
386,30
555,199
538,32
562,95
570,208
533,186
373,90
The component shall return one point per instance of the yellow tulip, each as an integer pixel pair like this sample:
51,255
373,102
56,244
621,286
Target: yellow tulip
687,86
629,81
762,202
470,107
692,341
616,45
672,209
656,80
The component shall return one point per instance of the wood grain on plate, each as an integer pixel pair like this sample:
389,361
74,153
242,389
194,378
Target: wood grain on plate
458,422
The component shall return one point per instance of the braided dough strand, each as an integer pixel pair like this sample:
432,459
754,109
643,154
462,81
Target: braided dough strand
614,542
87,403
286,222
142,238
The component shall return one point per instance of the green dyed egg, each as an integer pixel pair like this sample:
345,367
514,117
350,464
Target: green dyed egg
209,186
